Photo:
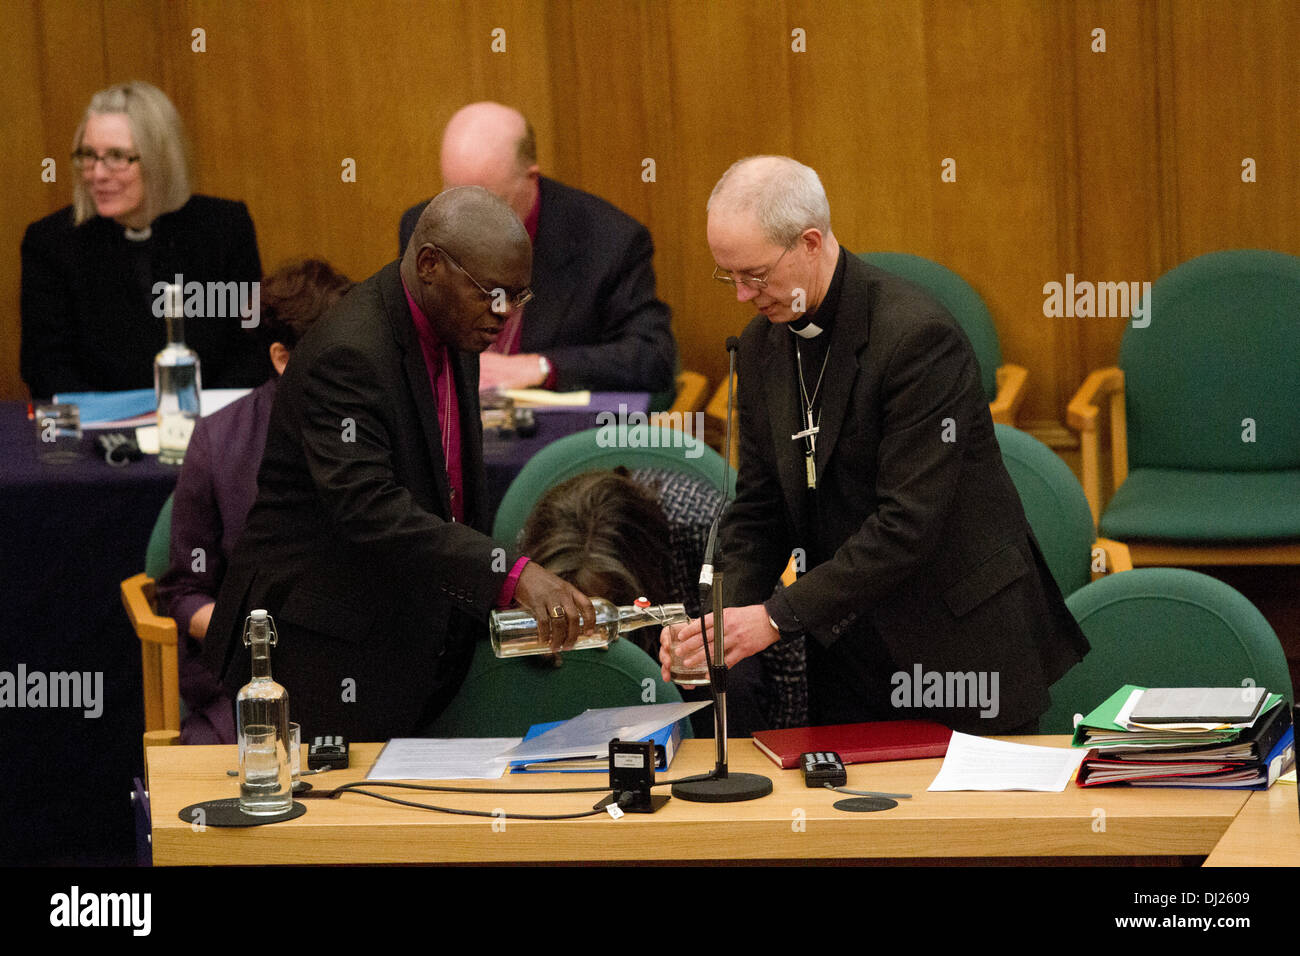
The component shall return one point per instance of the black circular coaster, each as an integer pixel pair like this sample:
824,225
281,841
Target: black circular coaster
302,786
226,813
865,804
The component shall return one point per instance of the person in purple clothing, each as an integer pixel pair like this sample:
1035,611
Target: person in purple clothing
217,485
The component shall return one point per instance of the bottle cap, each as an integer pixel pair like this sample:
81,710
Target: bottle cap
642,602
173,304
259,615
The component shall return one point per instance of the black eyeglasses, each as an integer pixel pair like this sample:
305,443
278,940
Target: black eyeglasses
114,160
511,302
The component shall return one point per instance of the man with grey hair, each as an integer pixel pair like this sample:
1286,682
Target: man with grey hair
868,454
368,541
596,321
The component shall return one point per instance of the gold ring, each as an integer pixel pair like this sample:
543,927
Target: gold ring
557,611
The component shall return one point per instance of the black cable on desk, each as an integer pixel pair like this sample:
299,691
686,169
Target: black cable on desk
356,786
473,813
347,787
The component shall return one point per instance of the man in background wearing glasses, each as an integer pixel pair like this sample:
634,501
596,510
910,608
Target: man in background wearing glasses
596,322
368,541
867,452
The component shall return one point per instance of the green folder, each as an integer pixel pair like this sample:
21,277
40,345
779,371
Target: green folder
1103,718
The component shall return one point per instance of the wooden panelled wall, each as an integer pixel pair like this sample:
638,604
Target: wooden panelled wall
1114,166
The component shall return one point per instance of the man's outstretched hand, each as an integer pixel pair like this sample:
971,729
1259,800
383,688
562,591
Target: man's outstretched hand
746,631
540,592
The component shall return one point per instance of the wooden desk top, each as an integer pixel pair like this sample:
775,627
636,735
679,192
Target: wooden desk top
793,823
1265,833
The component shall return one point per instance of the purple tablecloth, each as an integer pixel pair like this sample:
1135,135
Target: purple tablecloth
69,534
504,458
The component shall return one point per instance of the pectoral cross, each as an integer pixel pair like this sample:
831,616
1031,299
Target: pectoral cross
810,449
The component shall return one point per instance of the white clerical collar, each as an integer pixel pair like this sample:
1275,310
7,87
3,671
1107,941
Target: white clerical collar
138,235
808,330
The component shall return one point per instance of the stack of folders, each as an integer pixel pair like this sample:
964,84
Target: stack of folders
1219,737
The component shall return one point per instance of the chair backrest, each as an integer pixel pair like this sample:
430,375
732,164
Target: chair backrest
1055,505
634,446
1164,627
503,698
1222,345
958,297
157,555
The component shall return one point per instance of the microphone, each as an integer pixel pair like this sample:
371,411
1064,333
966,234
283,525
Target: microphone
720,786
706,571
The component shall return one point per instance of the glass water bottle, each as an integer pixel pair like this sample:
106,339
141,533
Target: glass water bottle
262,713
514,632
175,383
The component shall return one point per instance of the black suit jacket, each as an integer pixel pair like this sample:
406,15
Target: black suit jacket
595,314
87,298
376,593
916,539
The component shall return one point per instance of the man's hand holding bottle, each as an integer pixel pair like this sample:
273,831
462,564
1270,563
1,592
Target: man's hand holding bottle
562,611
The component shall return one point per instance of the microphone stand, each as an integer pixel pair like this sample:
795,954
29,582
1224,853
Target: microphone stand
721,786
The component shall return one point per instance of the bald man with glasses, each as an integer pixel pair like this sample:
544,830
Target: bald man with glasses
368,542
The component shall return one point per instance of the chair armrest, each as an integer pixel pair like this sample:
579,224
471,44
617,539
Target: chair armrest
1117,554
717,411
1011,392
1083,413
689,400
138,598
717,407
691,387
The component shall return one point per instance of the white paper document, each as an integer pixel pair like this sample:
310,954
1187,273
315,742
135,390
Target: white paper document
976,763
466,758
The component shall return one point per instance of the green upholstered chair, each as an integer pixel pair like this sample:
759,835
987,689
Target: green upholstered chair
1057,511
1204,417
1164,627
157,555
157,634
503,698
1004,385
656,446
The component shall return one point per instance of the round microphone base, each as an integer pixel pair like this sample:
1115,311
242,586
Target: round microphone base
733,788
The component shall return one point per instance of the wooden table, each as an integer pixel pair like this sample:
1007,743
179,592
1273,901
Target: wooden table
1265,833
792,824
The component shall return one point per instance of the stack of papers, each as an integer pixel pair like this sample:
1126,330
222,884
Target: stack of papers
1187,737
585,736
137,406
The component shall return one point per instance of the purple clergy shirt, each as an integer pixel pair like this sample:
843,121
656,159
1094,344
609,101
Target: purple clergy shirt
438,365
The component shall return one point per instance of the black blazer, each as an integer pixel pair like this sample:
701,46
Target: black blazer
595,315
87,299
918,534
376,593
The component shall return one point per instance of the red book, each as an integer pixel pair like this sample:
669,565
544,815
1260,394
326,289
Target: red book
857,743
